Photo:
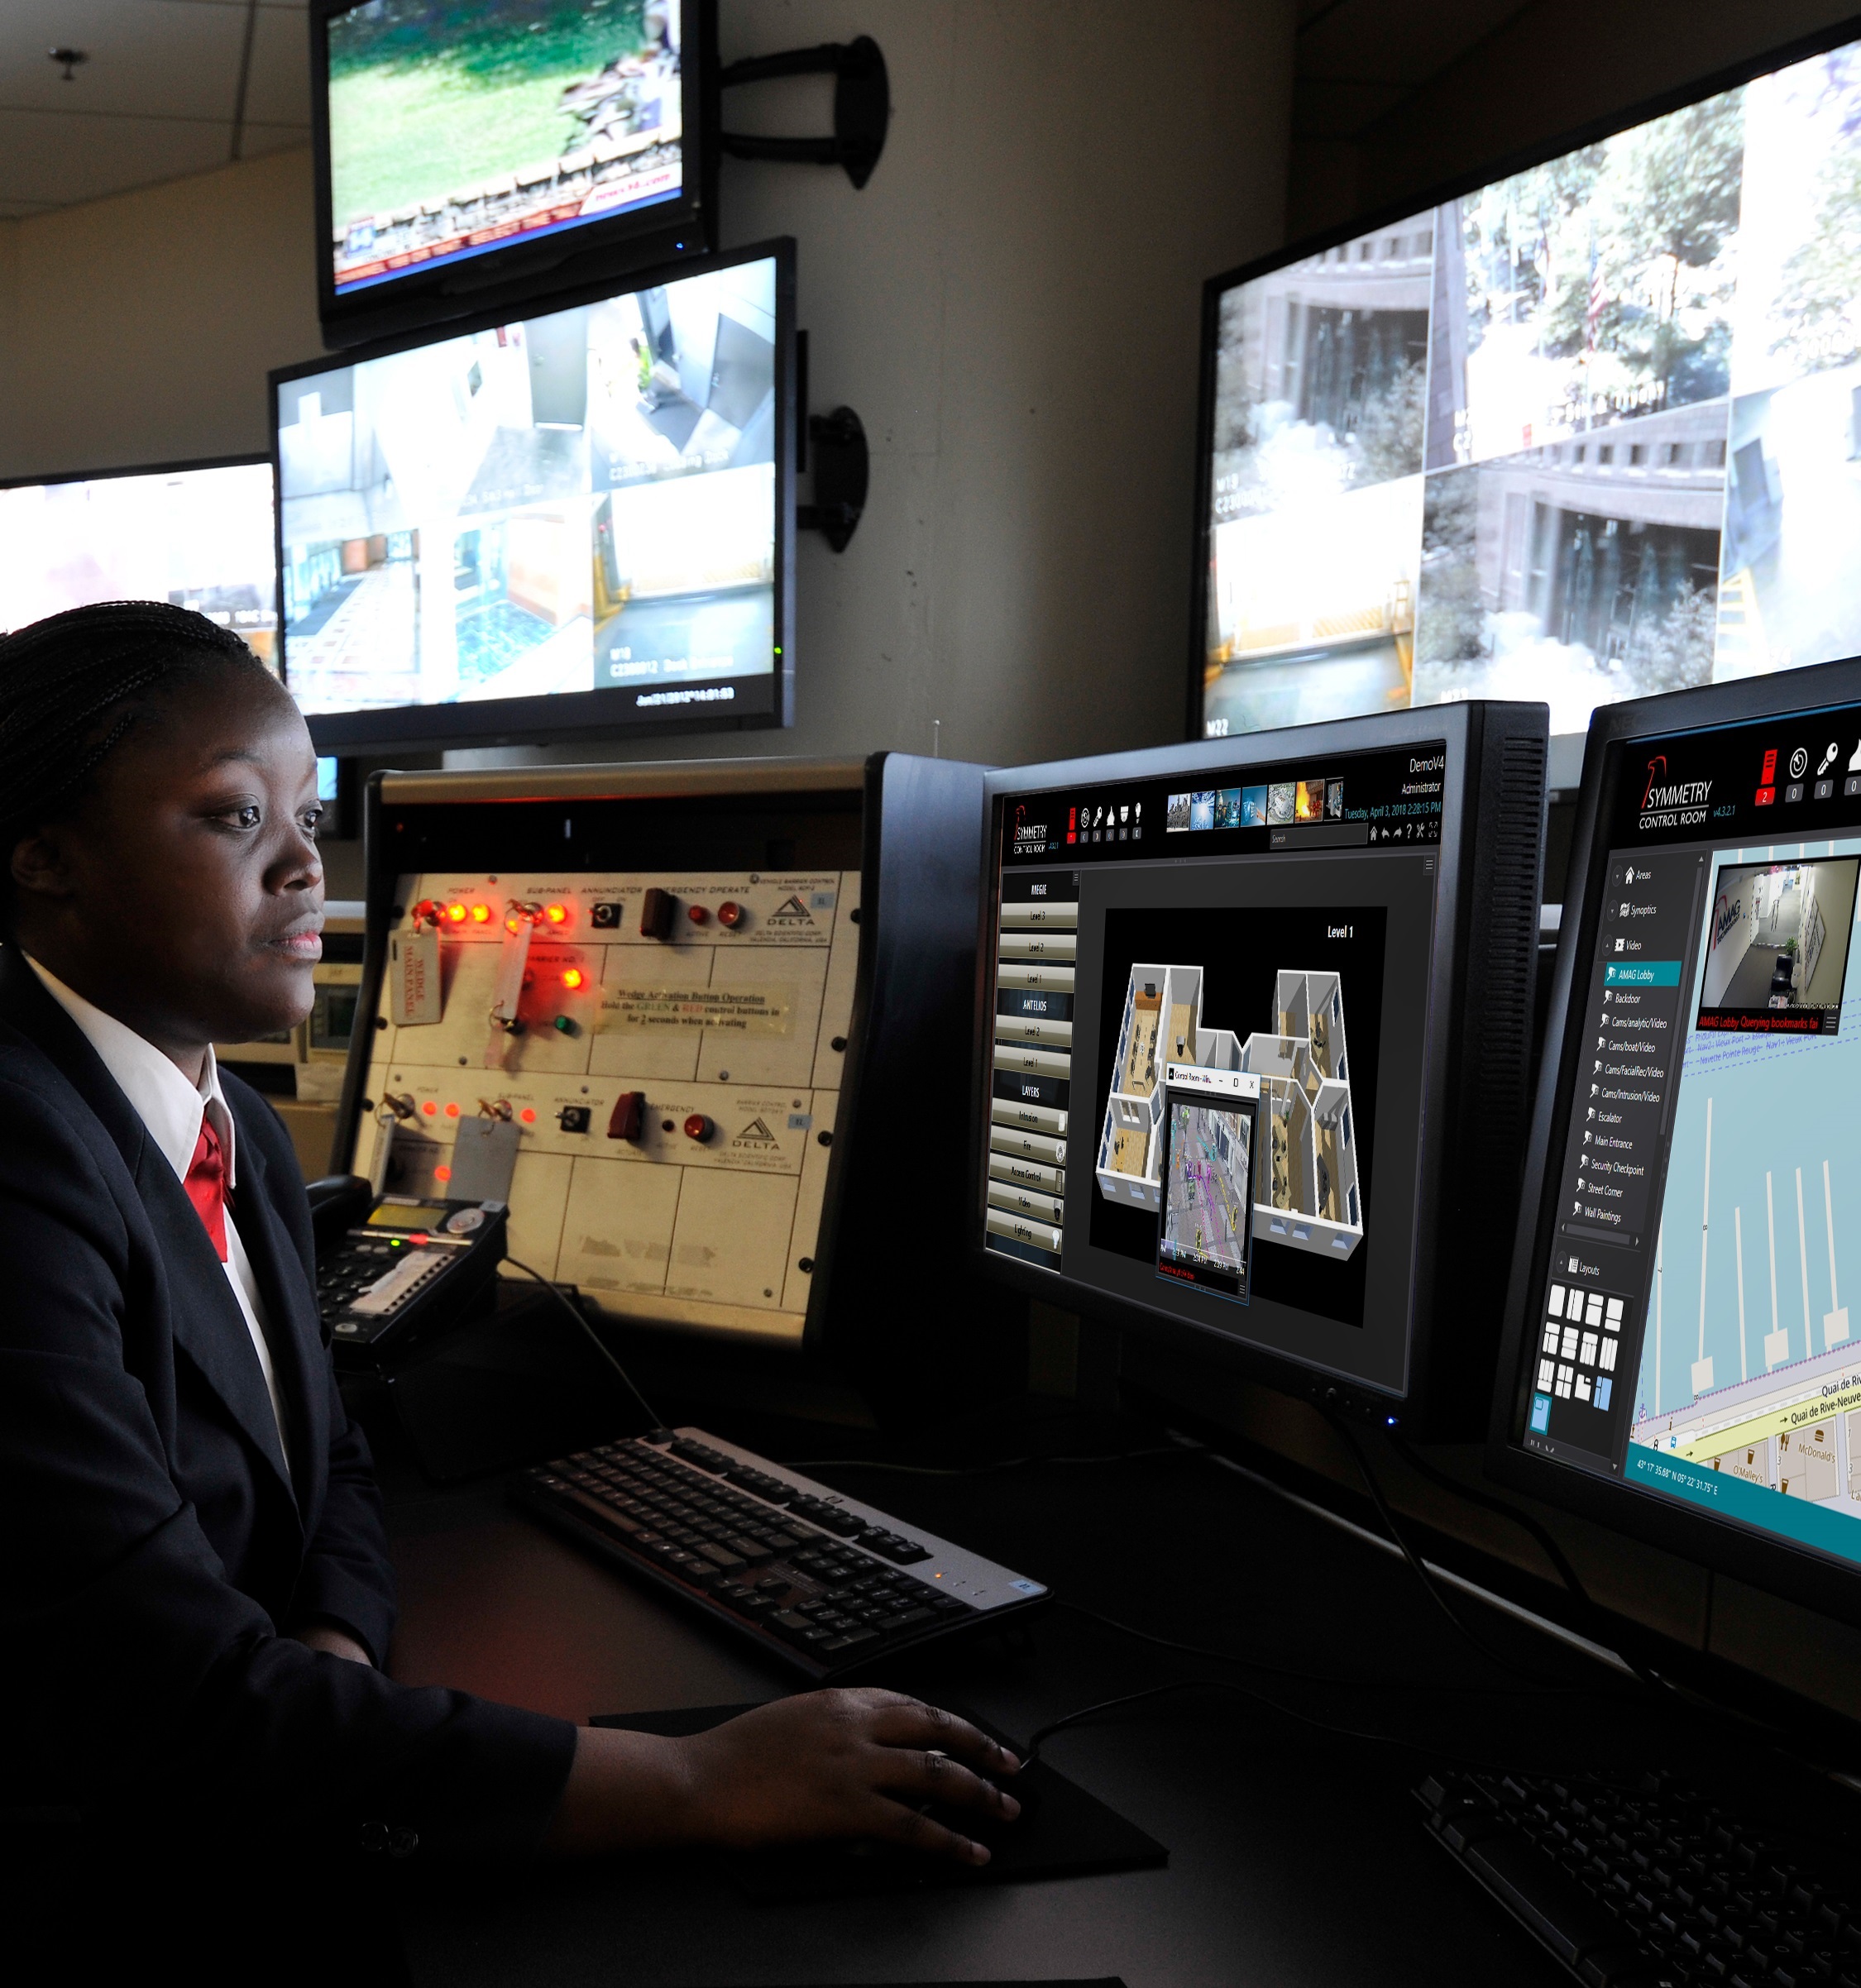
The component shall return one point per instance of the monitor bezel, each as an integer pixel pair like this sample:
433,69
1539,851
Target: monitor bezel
1455,723
244,460
686,228
1425,199
566,714
1770,1562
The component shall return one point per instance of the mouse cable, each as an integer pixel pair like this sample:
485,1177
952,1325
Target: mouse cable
1420,1567
594,1340
1041,1735
1598,1618
1301,1677
1010,1462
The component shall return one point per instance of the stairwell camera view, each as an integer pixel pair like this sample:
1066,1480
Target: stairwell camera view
585,500
456,130
1589,432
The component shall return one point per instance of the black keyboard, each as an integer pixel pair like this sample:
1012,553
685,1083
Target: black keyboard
815,1578
1634,1885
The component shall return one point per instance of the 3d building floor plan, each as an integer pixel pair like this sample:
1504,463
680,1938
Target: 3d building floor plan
1309,1168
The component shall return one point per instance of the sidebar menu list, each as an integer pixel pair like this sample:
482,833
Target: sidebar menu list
1635,1027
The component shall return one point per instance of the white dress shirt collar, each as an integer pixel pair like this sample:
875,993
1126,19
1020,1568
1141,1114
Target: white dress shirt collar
170,1107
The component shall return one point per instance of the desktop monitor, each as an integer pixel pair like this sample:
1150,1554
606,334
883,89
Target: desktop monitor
676,1014
1254,1018
1680,1363
1582,432
523,527
465,152
197,534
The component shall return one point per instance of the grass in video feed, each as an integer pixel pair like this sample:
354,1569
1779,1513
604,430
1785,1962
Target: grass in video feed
1592,289
455,123
1776,949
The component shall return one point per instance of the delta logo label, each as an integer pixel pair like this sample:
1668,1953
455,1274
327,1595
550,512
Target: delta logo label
1673,804
756,1133
792,912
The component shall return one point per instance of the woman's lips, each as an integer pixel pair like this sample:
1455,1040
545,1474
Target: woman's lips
307,946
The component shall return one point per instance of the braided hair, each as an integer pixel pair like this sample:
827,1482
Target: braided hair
74,685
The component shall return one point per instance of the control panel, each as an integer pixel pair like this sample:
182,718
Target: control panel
645,1067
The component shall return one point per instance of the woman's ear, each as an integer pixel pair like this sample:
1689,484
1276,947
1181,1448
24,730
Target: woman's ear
40,864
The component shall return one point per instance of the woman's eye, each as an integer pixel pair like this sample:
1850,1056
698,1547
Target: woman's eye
247,817
313,820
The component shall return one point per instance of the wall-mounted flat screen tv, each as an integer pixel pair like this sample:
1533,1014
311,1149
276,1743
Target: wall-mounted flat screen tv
468,148
1588,431
199,534
521,528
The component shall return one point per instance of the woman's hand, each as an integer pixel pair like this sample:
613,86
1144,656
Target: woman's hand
333,1643
829,1765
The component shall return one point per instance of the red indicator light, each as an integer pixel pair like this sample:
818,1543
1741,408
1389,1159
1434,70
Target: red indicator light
452,1110
730,913
527,1116
573,977
442,1173
697,1126
430,1108
1768,776
457,913
514,925
480,914
1071,820
698,914
417,1237
555,914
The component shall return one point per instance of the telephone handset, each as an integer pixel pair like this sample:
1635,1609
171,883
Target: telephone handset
392,1269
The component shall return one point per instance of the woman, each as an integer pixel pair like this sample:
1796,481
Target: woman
194,1571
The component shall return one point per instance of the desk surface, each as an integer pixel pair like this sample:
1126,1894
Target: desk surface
1297,1855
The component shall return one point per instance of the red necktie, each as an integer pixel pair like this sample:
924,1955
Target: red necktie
206,1184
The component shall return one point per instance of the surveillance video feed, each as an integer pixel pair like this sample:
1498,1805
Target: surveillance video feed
199,538
455,130
580,501
1590,432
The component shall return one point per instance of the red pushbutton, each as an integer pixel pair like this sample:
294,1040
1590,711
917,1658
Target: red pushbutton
730,913
697,1126
698,914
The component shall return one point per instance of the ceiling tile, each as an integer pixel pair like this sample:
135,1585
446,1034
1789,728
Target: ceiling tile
63,160
278,89
256,139
18,210
175,58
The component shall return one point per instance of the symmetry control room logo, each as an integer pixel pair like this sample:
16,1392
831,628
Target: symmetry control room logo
1028,834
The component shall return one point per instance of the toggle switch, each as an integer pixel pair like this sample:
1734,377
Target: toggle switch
574,1118
628,1117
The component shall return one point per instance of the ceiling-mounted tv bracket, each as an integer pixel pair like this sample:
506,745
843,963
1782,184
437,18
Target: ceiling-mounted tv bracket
862,106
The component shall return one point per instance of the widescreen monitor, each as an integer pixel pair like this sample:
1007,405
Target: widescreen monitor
199,534
1584,432
463,149
1251,1044
520,528
1681,1360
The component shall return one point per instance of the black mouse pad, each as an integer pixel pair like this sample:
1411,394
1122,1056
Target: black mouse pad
1061,1831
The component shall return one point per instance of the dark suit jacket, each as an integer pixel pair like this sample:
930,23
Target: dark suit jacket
153,1545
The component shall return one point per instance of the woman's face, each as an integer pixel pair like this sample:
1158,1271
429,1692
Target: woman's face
187,898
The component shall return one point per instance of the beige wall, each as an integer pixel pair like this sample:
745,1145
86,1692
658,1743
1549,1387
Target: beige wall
140,329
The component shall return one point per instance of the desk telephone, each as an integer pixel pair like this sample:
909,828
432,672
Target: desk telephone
392,1268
